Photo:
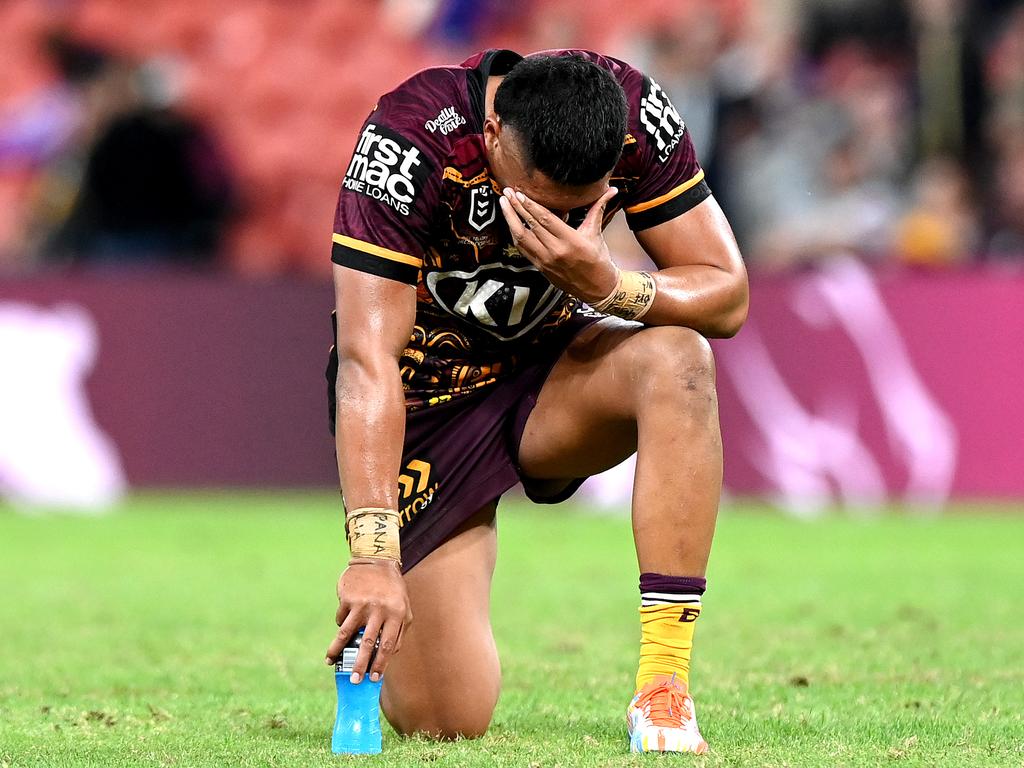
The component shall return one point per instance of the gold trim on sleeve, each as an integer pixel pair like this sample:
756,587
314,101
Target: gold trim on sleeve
641,207
376,250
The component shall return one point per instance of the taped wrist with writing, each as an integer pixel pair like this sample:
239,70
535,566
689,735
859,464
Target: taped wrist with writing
373,532
632,296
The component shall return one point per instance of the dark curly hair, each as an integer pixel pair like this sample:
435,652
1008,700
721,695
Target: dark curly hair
569,113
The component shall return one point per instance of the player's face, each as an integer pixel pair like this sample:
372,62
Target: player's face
505,157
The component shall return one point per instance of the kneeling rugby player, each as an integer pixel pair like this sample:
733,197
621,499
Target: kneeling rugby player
485,336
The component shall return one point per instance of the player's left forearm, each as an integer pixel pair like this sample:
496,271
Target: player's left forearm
701,279
711,300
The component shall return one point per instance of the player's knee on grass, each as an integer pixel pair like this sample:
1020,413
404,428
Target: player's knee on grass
468,718
446,702
677,362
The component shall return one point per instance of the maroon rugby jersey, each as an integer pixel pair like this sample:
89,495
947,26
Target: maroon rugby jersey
418,205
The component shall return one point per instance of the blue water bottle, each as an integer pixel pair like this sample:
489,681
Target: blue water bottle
357,724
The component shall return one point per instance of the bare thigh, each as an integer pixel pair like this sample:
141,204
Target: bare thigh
619,388
444,681
585,418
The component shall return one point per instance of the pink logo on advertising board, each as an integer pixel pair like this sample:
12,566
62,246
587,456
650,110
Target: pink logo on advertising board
856,427
52,452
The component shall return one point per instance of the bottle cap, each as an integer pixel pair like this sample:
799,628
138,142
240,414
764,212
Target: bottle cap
347,661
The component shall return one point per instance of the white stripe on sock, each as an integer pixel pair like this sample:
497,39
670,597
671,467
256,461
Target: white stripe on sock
669,597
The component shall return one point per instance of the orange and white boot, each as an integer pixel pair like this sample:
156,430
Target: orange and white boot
661,718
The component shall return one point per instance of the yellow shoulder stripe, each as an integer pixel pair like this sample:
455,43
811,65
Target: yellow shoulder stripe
376,250
640,207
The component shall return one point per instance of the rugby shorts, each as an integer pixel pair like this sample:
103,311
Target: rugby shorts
461,455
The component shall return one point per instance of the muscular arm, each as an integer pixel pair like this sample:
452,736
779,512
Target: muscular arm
375,321
701,279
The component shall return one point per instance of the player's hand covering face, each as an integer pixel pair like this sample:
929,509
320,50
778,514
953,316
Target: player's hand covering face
575,260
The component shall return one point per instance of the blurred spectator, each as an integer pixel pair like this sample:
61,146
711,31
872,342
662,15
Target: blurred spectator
464,22
39,166
119,174
813,163
1005,65
818,122
949,93
1005,132
1007,240
851,212
941,228
155,186
41,127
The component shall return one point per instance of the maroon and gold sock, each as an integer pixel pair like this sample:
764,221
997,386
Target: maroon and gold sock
669,608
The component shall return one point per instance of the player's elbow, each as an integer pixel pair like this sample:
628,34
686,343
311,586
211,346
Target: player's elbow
730,319
369,359
731,322
365,372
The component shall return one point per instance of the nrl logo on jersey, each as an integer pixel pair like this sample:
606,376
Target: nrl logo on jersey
660,119
483,208
387,168
446,122
503,300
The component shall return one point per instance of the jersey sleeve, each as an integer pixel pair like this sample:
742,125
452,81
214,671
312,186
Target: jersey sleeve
388,195
671,181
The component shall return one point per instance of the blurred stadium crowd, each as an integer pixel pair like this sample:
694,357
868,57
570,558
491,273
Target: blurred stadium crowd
216,134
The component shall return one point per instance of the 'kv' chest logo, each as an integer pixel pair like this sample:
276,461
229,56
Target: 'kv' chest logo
482,208
503,300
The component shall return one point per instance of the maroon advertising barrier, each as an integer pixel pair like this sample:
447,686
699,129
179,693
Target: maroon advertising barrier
202,380
853,386
846,386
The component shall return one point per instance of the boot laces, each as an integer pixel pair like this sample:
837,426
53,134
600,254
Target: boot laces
665,704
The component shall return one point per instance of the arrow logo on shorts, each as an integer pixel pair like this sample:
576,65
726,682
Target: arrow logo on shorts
418,476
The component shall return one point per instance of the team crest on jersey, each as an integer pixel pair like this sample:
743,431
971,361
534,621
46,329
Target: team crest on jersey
503,300
447,121
483,209
660,119
387,168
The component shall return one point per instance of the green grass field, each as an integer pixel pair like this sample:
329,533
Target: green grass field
189,631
